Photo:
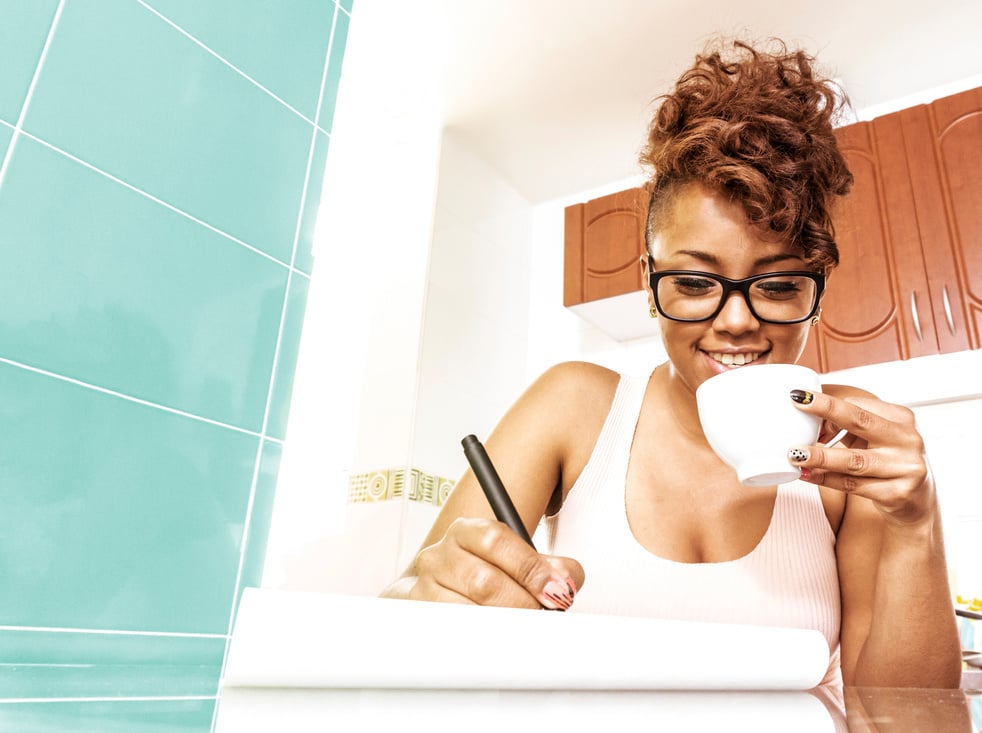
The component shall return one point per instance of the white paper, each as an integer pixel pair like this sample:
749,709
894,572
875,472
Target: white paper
314,640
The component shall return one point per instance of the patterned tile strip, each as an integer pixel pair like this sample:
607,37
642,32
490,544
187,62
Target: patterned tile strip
393,483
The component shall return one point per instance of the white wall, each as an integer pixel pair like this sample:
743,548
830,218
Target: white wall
354,393
475,333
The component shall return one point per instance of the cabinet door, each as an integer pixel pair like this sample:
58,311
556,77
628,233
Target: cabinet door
949,208
867,314
604,241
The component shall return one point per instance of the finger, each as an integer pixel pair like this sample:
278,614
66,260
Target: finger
857,471
875,463
568,568
510,561
887,410
885,493
427,588
551,584
861,417
454,569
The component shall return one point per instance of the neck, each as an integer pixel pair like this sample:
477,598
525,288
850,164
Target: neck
681,400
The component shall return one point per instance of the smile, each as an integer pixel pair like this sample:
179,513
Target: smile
734,359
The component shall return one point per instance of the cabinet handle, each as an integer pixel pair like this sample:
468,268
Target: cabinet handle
947,309
913,314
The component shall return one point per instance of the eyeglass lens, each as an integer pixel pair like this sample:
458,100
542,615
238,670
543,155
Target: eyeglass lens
781,297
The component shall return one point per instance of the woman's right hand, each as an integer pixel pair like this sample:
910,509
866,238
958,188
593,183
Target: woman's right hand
483,562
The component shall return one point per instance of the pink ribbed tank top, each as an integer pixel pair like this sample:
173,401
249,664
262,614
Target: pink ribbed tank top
789,579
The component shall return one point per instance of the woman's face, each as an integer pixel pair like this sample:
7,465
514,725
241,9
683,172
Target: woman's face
705,232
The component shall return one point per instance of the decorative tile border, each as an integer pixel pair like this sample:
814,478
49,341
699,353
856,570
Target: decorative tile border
391,483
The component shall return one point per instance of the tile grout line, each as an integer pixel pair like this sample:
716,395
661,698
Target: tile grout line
229,64
155,199
279,339
18,126
131,398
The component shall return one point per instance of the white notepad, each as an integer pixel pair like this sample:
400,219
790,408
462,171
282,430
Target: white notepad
313,640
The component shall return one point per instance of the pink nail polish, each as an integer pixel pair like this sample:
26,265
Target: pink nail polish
556,595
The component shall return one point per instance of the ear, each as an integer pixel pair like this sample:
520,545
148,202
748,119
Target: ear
645,262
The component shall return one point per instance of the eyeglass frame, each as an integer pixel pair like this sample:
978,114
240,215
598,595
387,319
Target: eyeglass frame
729,285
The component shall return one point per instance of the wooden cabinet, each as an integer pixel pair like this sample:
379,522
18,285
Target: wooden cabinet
910,240
604,241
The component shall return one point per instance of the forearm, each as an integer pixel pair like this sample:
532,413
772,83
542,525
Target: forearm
913,638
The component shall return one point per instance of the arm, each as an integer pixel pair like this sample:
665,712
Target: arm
537,448
898,621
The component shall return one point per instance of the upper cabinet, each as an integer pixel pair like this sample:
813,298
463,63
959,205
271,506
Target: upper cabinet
910,239
603,247
909,234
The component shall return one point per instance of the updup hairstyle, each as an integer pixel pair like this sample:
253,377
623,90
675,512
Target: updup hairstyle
755,126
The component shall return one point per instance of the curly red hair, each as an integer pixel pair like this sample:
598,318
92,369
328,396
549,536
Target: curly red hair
757,127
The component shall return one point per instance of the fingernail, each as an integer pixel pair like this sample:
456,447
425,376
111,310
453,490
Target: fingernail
556,595
798,455
802,396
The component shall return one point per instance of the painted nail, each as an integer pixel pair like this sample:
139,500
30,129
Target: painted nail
556,595
802,396
572,588
798,455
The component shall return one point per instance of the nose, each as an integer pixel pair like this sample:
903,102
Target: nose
735,317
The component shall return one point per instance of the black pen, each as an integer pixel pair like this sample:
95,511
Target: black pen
494,490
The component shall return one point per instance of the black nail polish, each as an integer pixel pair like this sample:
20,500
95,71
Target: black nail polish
802,396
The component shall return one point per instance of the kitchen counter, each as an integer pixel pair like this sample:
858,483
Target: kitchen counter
303,710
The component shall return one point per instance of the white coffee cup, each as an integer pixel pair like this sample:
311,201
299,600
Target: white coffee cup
751,422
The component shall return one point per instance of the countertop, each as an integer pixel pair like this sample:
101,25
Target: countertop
849,709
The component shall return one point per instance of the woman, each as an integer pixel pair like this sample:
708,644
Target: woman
745,169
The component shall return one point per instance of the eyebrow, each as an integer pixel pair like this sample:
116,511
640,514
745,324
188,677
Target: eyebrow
712,259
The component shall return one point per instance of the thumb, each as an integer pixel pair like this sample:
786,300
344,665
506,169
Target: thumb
561,585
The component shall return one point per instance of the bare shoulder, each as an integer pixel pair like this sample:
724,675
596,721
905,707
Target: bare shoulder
566,408
579,384
565,398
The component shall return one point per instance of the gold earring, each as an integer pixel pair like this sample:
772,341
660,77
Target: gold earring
814,320
653,312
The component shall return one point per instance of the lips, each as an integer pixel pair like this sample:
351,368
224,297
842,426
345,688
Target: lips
737,359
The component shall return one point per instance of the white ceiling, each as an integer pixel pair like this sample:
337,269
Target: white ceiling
555,93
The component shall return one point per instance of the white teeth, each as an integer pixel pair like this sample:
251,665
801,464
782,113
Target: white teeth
734,359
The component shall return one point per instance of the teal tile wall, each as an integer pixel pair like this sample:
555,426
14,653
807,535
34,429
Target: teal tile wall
23,32
5,134
160,178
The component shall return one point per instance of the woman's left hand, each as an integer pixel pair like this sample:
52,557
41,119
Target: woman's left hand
882,458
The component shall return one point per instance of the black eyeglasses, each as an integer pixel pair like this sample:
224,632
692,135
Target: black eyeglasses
773,297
